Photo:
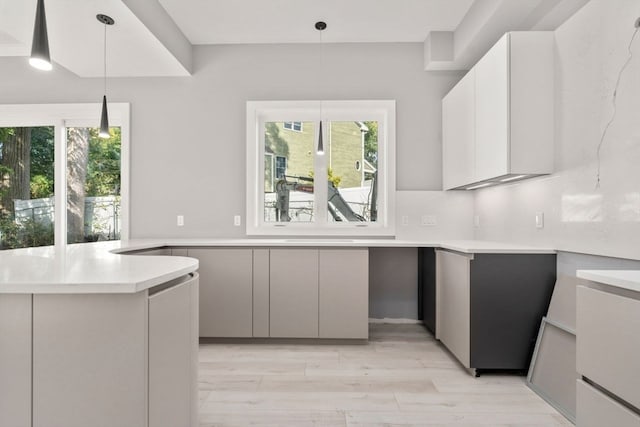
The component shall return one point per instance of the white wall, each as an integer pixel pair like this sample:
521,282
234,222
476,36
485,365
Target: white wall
188,134
591,48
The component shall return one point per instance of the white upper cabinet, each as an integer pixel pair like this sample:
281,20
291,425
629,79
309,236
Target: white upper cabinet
458,123
501,129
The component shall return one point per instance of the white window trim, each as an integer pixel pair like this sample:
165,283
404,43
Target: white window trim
62,116
259,112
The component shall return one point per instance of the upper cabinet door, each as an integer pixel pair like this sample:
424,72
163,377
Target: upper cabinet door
498,120
492,112
458,129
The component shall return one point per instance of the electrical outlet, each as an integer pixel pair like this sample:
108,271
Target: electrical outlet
539,219
476,220
180,220
428,220
237,220
405,220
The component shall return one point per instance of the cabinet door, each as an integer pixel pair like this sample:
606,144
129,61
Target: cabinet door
171,356
90,360
596,409
15,360
344,293
608,344
261,293
453,303
293,296
458,133
492,112
225,291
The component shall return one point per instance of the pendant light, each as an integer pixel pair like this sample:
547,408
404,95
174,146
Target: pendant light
104,118
40,57
320,26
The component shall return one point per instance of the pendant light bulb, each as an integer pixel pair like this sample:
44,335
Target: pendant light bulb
40,57
104,117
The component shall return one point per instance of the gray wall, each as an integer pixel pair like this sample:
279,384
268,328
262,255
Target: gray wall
393,283
188,133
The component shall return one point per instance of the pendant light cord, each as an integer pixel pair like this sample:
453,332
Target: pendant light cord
104,59
614,101
321,74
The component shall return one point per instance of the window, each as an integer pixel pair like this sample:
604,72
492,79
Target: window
281,167
355,195
93,185
26,186
44,145
297,126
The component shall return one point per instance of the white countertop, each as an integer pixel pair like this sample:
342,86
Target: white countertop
86,268
624,279
101,268
464,246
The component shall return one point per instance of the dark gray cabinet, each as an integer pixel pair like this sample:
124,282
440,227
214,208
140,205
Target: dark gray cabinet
489,306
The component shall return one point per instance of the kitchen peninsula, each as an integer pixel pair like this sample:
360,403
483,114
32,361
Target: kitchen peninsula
88,337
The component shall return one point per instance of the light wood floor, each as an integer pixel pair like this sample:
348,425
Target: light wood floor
402,377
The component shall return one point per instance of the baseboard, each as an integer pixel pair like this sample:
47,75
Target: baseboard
396,321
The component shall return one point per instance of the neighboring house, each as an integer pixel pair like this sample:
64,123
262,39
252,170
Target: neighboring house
289,150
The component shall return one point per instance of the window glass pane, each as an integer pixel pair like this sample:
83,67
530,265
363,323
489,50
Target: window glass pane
26,187
93,185
352,168
289,159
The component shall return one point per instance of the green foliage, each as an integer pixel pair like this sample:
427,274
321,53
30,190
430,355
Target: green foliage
24,234
371,143
42,157
103,168
40,187
4,172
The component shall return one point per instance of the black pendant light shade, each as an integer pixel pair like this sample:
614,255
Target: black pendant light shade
104,120
40,57
320,142
104,117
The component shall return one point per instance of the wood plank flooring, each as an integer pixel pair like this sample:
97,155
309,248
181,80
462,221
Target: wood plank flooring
401,377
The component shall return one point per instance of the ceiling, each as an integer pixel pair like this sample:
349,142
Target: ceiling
156,37
292,21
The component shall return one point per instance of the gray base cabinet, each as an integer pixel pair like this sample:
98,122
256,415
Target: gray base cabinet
226,291
15,360
100,360
293,295
173,342
343,293
283,292
607,355
489,306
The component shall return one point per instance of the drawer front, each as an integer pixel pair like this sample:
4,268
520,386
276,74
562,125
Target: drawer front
595,409
608,342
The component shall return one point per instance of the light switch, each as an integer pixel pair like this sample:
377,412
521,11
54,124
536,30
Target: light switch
237,220
180,220
539,219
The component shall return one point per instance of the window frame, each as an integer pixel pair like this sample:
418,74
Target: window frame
259,112
62,116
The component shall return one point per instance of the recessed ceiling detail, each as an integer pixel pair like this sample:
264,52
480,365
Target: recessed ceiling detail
291,21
